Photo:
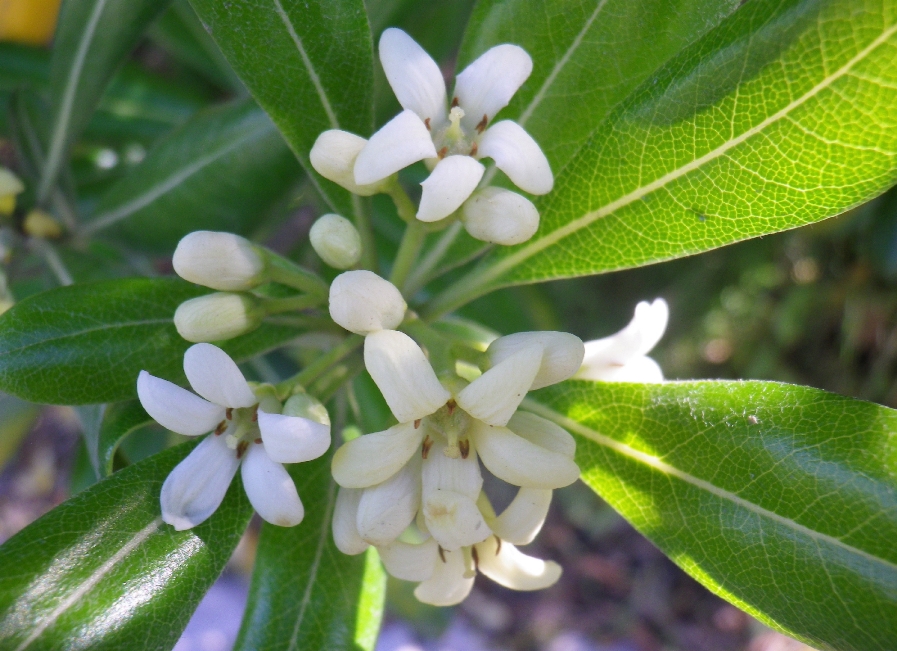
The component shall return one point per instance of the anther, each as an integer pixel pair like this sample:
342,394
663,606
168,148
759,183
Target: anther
229,412
241,449
450,406
417,423
442,152
464,445
425,448
481,127
497,545
427,123
442,553
476,558
473,150
221,427
455,102
258,440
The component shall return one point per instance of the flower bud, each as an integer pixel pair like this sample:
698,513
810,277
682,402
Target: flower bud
218,316
500,216
39,223
10,186
336,240
220,261
562,354
362,302
305,406
333,157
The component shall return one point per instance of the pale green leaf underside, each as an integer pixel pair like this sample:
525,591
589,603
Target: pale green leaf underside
782,499
781,116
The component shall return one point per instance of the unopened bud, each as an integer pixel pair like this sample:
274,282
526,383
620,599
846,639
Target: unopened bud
218,316
10,186
562,354
220,261
305,406
336,240
500,216
333,157
362,302
39,223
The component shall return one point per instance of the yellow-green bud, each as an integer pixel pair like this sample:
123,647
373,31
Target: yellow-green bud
219,260
336,240
218,316
306,406
39,223
10,186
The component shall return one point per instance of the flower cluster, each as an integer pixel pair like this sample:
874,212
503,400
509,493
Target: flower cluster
451,138
423,473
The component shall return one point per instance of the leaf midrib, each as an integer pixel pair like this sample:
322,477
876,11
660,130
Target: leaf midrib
128,324
667,469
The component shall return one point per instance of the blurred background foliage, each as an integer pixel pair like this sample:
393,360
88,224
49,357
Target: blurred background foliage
814,306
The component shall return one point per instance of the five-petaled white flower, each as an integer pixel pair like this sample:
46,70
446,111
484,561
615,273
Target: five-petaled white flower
622,357
450,139
248,429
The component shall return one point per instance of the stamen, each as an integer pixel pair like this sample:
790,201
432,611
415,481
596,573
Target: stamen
229,412
442,152
255,414
442,553
454,102
464,446
476,558
450,406
473,150
425,448
241,449
481,127
417,423
427,123
497,545
221,427
258,440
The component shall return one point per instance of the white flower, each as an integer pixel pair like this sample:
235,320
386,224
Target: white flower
427,463
362,302
622,357
218,316
248,430
336,240
451,140
219,260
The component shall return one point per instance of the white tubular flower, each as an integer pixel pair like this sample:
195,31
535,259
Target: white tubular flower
336,240
333,157
562,354
449,431
622,357
10,186
362,302
219,260
446,577
248,430
218,316
453,140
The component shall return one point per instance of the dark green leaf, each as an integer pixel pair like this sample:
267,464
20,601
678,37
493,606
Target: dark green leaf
781,499
102,571
119,420
306,594
308,65
86,343
220,171
93,38
745,132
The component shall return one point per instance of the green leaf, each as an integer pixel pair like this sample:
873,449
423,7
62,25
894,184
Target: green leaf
309,65
305,593
745,132
781,499
92,40
87,343
218,171
102,571
119,420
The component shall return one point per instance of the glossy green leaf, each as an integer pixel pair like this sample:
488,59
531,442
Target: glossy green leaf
781,499
781,116
119,420
220,171
306,594
92,40
102,571
309,65
86,343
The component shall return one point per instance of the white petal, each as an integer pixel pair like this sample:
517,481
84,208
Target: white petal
440,472
215,377
452,181
635,340
386,509
336,240
447,586
403,375
519,156
175,408
487,85
410,562
345,512
454,520
293,439
508,566
362,302
495,395
219,260
399,143
640,369
543,433
413,75
519,462
333,157
270,489
524,517
374,458
562,354
196,486
500,216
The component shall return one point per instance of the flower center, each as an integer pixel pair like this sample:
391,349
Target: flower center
452,423
240,428
454,139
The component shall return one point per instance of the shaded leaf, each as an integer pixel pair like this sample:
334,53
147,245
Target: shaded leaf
119,420
781,499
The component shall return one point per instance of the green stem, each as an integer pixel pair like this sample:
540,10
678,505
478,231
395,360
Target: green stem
326,386
291,303
404,205
362,221
412,241
421,276
291,274
316,368
470,287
